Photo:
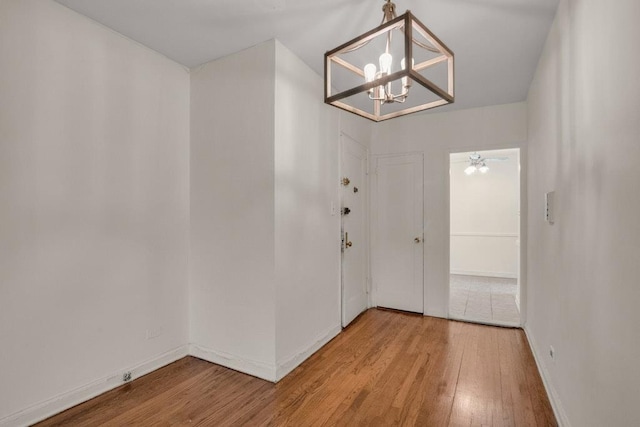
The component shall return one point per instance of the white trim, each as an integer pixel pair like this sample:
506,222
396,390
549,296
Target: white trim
64,401
556,404
294,361
442,314
502,275
254,368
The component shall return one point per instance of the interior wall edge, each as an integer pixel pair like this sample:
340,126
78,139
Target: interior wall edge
62,402
554,398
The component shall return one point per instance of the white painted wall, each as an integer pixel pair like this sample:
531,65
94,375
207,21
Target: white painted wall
307,244
232,290
583,270
94,208
436,135
485,216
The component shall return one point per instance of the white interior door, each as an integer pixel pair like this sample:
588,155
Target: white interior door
398,247
355,240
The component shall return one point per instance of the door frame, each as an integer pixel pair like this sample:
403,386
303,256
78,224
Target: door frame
523,217
373,186
367,221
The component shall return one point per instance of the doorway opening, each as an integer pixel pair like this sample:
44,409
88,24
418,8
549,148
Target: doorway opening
484,285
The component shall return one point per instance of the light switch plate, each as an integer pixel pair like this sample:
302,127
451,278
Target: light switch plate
549,207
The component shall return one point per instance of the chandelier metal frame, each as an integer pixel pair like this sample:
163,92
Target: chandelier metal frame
379,86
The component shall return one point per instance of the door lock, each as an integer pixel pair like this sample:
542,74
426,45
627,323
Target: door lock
417,240
355,189
346,211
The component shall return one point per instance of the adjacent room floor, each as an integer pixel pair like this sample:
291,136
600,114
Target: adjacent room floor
386,369
484,300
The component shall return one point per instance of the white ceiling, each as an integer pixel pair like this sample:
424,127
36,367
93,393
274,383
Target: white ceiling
497,43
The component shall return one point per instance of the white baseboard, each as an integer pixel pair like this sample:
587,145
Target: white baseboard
251,367
64,401
441,314
501,275
556,404
294,361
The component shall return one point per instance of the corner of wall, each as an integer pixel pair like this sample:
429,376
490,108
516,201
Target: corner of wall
288,365
254,368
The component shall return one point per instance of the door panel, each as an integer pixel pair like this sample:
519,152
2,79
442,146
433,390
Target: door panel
354,230
398,248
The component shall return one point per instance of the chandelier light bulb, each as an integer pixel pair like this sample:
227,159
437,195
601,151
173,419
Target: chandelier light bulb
470,170
369,72
406,83
484,168
403,63
385,63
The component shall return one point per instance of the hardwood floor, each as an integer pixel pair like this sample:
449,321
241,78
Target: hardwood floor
387,368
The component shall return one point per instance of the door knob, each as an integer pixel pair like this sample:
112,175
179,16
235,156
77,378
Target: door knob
417,240
347,243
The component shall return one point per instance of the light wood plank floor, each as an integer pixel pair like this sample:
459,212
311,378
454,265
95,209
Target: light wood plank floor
387,368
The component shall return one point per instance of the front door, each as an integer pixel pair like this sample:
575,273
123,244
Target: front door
398,248
354,229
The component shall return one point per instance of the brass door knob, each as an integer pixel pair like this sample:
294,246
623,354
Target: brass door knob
348,244
417,240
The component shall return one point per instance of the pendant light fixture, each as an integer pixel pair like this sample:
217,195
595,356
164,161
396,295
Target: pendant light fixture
364,76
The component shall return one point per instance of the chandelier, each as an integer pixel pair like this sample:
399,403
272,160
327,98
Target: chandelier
423,80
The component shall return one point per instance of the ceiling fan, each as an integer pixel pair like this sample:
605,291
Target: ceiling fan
479,163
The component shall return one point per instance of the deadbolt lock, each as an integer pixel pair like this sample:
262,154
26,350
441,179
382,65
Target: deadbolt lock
346,211
417,240
355,189
345,181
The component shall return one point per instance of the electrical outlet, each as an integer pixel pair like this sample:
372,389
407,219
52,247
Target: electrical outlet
552,352
126,377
